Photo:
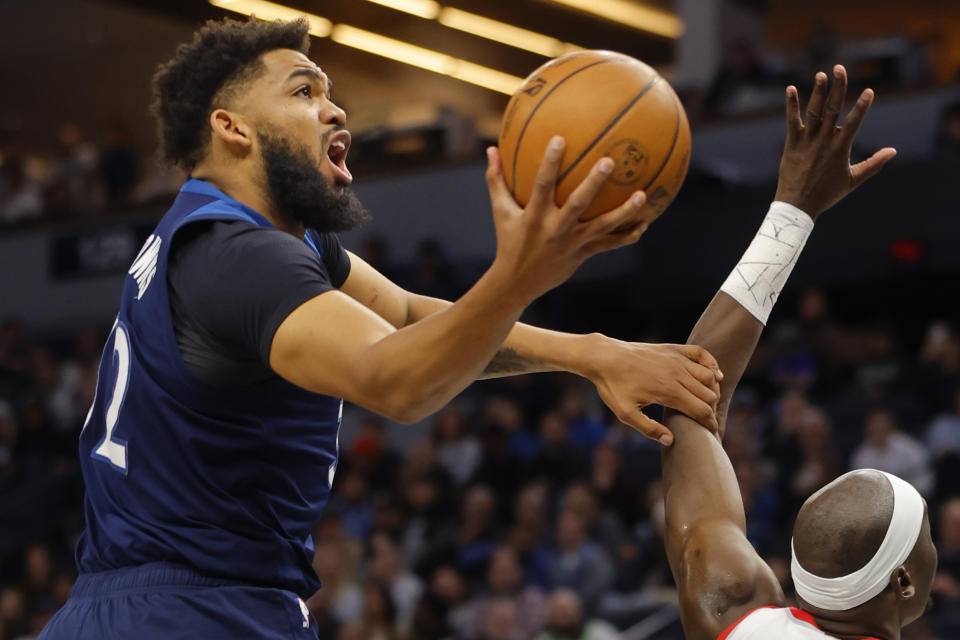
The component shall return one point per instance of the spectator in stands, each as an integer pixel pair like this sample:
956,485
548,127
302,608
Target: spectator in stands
475,537
505,582
558,461
584,431
372,456
118,163
818,456
946,584
340,599
579,563
506,415
353,504
13,612
459,451
387,568
74,186
943,434
948,134
379,612
21,197
566,620
502,622
888,449
528,536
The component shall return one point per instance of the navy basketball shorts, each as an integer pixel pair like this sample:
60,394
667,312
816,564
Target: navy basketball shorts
163,601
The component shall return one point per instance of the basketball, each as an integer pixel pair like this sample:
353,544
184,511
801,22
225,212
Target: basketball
604,104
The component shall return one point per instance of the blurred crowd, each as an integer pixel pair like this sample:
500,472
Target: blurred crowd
751,80
80,180
527,512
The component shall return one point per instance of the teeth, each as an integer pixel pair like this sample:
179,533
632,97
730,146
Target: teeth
338,145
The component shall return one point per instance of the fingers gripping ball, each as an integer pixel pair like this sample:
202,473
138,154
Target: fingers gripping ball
604,104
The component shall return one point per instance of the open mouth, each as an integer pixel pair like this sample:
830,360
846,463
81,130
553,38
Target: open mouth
337,154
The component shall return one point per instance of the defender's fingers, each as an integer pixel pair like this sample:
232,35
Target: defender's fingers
835,99
794,123
701,390
851,124
701,355
863,171
543,196
692,405
704,375
583,196
646,425
817,99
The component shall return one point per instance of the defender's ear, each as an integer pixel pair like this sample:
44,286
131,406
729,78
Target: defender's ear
903,583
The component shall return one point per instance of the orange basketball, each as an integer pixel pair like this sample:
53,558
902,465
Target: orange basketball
604,104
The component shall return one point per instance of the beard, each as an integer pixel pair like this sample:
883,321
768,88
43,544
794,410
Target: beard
301,193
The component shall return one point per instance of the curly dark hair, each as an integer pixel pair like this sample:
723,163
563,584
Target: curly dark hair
204,73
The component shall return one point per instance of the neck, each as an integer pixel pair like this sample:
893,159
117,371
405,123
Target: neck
875,619
247,189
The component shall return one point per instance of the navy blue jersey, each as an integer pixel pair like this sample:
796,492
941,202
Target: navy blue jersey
227,480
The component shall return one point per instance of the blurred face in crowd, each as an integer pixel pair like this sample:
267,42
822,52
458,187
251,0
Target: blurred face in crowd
565,615
570,531
504,575
950,526
880,426
478,506
447,584
502,622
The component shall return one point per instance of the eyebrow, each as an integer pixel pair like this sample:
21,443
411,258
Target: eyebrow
312,73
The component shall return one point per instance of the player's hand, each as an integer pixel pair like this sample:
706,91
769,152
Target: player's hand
815,171
632,375
541,245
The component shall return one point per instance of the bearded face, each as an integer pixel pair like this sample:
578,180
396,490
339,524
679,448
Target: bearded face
300,192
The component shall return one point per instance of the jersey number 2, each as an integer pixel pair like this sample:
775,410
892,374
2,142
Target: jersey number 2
110,449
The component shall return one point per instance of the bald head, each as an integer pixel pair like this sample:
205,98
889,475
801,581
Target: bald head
840,528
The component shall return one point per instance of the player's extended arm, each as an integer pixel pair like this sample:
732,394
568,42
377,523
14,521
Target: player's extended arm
628,375
719,574
334,345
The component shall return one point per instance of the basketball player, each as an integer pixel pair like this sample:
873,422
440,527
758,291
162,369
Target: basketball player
863,561
211,446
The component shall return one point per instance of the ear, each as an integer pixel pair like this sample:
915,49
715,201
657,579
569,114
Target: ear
902,583
231,129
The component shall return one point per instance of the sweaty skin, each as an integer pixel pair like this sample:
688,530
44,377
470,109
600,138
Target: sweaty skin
719,574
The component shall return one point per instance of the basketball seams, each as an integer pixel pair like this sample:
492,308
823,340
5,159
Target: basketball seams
516,149
607,129
673,145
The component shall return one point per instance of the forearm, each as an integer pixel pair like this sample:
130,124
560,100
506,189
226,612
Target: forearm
422,366
699,482
526,349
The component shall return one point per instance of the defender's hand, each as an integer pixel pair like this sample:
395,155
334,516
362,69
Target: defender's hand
540,246
632,375
815,171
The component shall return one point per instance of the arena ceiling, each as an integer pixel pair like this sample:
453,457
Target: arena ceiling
87,61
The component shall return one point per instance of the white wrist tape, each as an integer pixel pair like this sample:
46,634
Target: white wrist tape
759,277
852,590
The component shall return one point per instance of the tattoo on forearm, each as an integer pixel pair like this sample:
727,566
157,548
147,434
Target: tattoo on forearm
507,360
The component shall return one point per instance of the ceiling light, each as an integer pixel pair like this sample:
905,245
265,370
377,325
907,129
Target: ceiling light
632,14
503,32
383,46
425,58
319,27
424,8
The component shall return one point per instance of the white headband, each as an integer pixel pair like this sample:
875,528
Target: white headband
852,590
